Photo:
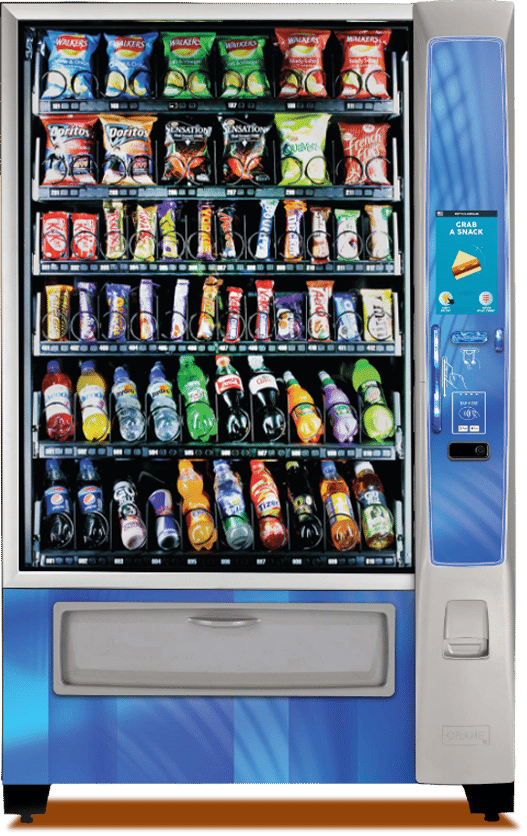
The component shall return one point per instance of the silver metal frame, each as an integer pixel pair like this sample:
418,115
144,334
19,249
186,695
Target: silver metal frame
461,693
12,515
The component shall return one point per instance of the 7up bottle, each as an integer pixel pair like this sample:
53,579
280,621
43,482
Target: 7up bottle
192,383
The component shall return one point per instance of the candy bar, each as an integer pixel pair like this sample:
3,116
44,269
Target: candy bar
207,317
319,235
378,320
264,297
55,243
263,244
168,214
319,294
58,311
346,316
87,320
145,233
379,243
115,240
84,234
234,321
228,244
179,310
117,298
205,231
289,314
294,211
147,322
347,237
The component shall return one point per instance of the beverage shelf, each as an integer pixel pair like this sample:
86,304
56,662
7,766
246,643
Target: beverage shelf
214,448
163,348
374,268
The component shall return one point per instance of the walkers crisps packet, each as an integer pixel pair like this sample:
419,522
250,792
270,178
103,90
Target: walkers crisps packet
187,57
363,73
364,153
302,64
70,65
302,143
128,158
242,62
70,149
129,75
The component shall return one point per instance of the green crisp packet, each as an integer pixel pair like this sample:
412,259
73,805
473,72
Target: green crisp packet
187,57
242,62
302,143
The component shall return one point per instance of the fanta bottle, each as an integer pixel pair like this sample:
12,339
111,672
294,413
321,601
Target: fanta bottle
336,498
91,390
266,501
302,410
195,507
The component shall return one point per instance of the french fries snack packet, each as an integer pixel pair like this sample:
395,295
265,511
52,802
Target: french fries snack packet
302,63
187,57
129,75
302,143
363,73
364,153
243,67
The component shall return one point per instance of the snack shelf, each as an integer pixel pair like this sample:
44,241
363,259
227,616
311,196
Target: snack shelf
90,193
377,268
264,106
160,348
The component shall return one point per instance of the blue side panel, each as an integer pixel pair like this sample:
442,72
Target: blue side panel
61,739
468,315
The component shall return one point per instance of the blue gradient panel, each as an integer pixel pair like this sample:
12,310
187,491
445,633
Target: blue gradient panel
467,171
61,739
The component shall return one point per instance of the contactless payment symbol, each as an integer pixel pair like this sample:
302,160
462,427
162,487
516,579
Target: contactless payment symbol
469,413
486,298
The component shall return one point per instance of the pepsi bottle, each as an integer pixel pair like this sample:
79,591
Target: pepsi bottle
58,518
95,526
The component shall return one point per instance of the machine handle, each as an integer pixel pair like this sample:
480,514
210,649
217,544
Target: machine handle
224,622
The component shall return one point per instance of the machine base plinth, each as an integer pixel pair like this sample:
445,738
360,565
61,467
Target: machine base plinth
261,813
490,799
25,800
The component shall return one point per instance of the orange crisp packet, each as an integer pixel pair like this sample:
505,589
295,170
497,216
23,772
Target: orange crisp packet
128,160
302,64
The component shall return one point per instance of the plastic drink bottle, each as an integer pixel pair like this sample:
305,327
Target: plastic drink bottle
195,506
342,416
336,498
127,406
167,529
231,505
95,525
133,529
230,387
308,527
91,390
192,383
301,407
58,408
57,506
167,423
377,419
266,501
377,522
264,388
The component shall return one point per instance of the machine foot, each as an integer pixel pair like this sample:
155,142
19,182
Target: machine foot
25,800
490,799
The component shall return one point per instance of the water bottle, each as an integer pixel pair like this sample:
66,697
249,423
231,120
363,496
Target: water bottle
91,505
231,505
167,423
127,406
57,507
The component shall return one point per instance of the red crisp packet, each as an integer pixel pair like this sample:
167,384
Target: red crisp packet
84,236
363,74
55,244
364,153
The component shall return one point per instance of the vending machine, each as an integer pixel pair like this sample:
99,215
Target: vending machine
257,478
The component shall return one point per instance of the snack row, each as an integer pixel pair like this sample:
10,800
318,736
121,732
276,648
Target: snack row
70,158
160,232
282,315
188,71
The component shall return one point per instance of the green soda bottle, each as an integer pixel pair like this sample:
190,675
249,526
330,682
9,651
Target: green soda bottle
192,383
377,419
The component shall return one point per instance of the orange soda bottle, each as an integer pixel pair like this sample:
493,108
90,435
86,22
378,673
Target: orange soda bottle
266,501
335,495
301,407
196,507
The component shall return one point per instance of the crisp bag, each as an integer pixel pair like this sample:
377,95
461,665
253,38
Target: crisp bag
365,161
242,62
70,65
128,158
302,143
70,149
129,75
187,57
363,73
302,64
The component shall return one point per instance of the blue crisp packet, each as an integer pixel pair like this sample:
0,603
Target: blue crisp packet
129,75
346,315
70,65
